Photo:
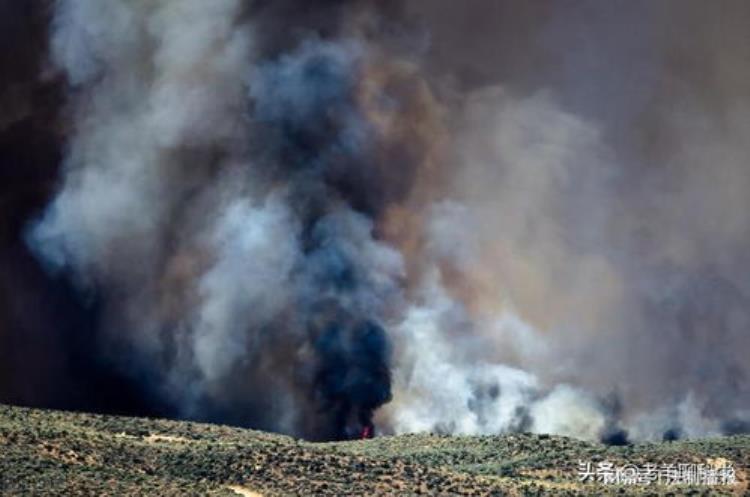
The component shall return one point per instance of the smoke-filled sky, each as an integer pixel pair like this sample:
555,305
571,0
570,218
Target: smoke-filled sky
315,216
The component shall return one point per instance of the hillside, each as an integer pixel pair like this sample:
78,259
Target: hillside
58,453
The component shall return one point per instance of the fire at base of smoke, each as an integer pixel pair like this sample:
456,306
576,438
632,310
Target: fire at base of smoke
331,221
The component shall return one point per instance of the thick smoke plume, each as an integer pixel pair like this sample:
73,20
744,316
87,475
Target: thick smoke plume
309,217
212,196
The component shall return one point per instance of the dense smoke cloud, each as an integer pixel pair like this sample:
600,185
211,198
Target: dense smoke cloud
605,192
209,198
456,217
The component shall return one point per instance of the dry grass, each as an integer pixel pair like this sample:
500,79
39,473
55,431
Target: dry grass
57,453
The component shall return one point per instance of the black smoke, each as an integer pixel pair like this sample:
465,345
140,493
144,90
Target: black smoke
323,355
286,214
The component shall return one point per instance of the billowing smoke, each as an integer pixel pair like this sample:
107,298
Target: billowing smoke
594,238
460,217
216,196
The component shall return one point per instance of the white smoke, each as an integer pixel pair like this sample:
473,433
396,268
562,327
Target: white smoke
256,250
207,189
198,248
145,89
549,320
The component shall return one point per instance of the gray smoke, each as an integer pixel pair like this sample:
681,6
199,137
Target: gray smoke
600,244
498,217
200,199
